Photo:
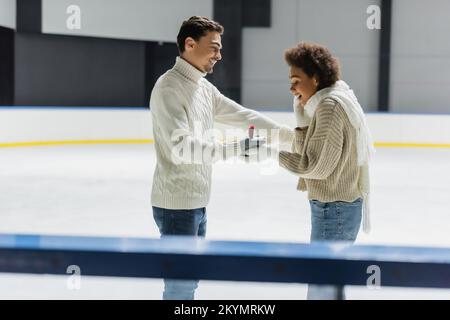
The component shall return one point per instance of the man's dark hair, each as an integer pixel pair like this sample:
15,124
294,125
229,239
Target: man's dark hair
314,59
196,27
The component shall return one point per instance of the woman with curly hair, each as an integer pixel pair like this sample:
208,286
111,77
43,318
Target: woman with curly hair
330,152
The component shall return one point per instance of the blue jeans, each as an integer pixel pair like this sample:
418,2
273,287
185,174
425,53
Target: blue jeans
186,223
333,221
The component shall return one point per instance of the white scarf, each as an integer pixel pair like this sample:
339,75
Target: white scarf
342,93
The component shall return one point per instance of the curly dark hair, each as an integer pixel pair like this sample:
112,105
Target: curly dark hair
314,59
196,27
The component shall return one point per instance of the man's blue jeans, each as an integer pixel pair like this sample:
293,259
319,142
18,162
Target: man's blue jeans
333,221
180,222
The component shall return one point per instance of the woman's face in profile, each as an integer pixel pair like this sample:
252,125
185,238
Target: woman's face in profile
302,85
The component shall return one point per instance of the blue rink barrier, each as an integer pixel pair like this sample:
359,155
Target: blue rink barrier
190,258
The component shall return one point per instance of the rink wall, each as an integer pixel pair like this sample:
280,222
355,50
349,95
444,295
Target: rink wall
320,263
20,126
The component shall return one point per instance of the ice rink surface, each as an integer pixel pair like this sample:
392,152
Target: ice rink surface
104,190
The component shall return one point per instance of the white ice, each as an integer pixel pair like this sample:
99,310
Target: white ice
104,190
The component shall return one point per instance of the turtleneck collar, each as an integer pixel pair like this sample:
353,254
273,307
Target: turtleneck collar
188,70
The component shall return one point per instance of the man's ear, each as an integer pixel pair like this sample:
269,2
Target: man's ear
189,43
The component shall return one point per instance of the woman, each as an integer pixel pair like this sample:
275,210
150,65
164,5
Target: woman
331,149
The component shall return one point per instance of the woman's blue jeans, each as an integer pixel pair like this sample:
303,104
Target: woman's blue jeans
333,221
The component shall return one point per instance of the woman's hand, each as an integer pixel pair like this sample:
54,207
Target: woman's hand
303,101
303,120
298,103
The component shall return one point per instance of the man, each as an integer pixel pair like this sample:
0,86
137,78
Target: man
184,106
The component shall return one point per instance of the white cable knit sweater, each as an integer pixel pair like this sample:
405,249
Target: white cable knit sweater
181,100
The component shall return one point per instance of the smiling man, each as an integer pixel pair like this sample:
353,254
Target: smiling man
184,106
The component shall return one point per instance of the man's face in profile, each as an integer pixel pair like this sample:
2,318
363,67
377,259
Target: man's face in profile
204,53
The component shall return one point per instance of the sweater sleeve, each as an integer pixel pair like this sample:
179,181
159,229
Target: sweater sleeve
175,137
299,139
231,113
323,149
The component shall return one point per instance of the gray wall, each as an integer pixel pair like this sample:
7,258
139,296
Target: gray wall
78,71
8,13
340,25
153,20
420,76
7,26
